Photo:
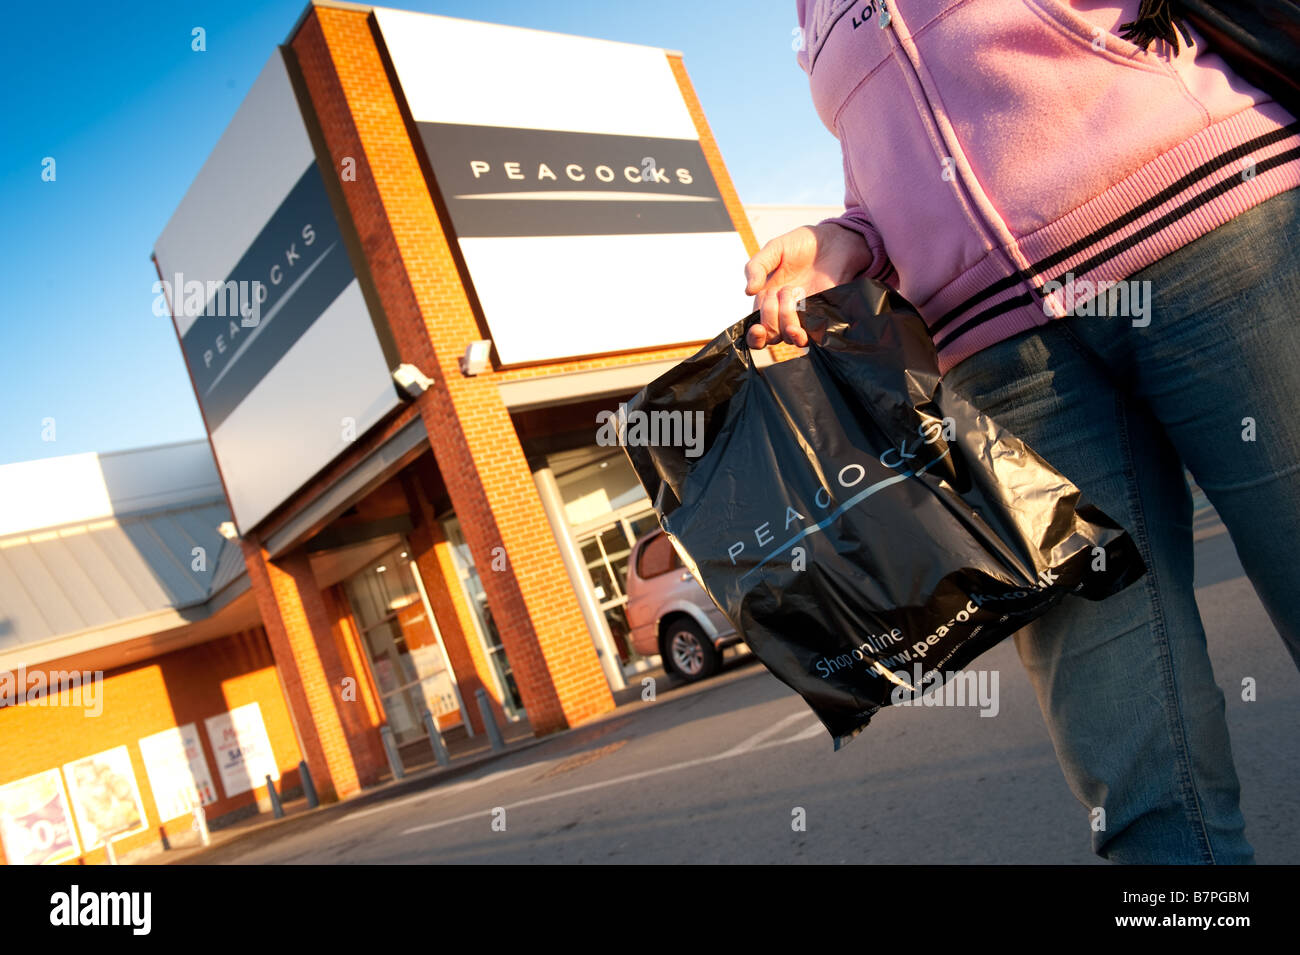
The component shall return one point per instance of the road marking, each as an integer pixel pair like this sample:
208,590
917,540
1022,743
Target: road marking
747,745
815,730
439,791
755,743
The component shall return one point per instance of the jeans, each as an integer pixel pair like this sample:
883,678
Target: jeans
1211,383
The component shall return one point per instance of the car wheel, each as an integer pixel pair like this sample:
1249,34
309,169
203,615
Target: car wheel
687,651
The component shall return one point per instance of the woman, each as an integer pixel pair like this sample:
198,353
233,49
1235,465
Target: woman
1003,161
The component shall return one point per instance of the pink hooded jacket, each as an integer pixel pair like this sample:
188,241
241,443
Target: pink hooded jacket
993,146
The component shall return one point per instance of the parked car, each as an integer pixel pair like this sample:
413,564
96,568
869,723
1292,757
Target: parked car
670,614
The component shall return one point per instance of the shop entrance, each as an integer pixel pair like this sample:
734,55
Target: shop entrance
606,547
485,627
403,646
607,512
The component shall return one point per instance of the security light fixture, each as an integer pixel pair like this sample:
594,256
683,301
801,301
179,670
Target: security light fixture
477,358
411,381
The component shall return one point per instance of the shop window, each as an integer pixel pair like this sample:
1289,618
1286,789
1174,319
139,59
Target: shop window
489,637
403,646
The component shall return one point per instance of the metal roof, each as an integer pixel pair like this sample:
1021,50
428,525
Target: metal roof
65,580
150,543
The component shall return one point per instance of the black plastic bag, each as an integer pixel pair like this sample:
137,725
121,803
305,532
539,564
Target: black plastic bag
859,525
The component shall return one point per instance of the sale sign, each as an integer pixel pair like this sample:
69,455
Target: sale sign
242,748
177,771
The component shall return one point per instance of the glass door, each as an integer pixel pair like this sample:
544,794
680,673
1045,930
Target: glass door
403,646
606,547
489,637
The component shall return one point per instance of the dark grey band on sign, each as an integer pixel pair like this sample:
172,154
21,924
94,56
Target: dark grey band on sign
501,181
302,247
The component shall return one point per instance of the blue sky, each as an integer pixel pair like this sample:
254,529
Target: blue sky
129,112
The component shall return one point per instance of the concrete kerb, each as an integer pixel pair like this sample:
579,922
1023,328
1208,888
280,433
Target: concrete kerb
420,780
307,818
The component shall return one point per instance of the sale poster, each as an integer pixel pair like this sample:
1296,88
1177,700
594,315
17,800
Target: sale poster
35,824
242,748
177,770
104,796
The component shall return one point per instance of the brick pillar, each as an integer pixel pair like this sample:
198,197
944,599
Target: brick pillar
364,711
297,626
424,298
465,652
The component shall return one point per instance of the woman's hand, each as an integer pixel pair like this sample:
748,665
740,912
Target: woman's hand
802,262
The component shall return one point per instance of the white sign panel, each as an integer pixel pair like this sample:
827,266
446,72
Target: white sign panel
576,186
35,824
105,797
243,751
177,770
279,343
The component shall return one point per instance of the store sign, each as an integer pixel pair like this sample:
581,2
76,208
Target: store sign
300,267
242,748
529,182
575,183
35,824
283,354
178,771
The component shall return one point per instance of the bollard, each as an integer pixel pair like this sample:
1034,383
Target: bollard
308,787
435,738
485,710
390,750
276,808
201,825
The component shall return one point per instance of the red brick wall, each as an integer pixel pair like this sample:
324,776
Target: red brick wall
297,623
349,642
363,713
450,608
186,686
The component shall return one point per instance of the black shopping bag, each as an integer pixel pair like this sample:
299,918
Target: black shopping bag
868,532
